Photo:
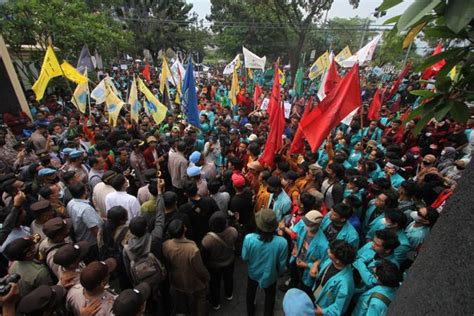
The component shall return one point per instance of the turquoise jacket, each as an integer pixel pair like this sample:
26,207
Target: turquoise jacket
368,213
377,173
352,160
367,305
357,137
266,260
365,263
336,294
282,205
416,235
311,253
400,253
347,233
396,180
376,135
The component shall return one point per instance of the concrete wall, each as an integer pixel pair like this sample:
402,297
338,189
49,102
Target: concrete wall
441,281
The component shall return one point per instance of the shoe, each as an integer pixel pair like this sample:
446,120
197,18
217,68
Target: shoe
216,308
229,298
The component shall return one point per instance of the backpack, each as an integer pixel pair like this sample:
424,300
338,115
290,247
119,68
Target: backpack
146,268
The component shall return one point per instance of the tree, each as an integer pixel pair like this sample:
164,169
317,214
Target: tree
389,52
452,22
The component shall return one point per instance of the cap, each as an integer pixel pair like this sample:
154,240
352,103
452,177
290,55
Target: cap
238,180
76,154
234,131
130,301
46,172
195,156
312,218
151,139
297,303
67,151
253,137
40,206
255,165
266,220
71,253
42,297
95,272
17,249
136,143
56,225
193,171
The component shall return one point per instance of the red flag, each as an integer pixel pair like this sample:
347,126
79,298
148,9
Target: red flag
256,96
146,72
401,131
397,82
276,121
375,105
332,78
434,69
297,145
396,105
341,101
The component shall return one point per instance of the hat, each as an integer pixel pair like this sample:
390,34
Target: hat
46,172
41,298
71,253
218,222
238,180
255,165
17,249
40,206
56,225
312,218
76,154
193,171
194,157
274,181
266,220
253,137
96,272
297,303
151,139
108,175
234,131
130,301
67,151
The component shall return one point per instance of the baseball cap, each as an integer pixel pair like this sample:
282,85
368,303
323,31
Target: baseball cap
46,172
151,139
297,303
56,225
96,272
238,180
70,253
266,221
193,171
194,157
41,298
40,206
76,154
130,301
312,218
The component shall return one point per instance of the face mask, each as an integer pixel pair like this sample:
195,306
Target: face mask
388,225
417,218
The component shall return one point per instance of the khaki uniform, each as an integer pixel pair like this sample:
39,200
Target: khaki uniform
46,251
75,300
33,274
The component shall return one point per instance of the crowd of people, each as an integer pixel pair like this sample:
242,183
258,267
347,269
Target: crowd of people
141,218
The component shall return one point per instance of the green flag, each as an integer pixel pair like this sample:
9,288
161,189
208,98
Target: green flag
298,87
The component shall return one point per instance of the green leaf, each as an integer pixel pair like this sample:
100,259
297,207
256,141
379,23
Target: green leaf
443,109
425,118
460,112
393,19
443,84
440,31
450,53
415,12
387,4
424,93
459,14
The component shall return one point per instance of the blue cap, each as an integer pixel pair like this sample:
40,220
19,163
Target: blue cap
46,172
195,156
193,171
76,153
297,303
67,151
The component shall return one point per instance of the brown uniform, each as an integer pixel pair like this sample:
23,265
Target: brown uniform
76,299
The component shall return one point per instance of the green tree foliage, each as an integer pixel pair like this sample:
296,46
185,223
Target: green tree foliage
452,22
390,52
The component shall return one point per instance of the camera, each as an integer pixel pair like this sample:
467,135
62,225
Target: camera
5,285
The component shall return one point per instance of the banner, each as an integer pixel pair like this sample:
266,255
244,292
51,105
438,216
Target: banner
229,68
363,55
156,109
253,61
81,94
319,66
343,55
135,104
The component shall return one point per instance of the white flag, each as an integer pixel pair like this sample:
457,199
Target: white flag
348,119
253,61
364,55
321,92
177,72
229,69
99,93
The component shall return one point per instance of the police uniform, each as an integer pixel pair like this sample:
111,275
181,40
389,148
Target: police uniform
76,299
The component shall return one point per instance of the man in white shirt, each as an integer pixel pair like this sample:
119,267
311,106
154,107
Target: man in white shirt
100,192
121,197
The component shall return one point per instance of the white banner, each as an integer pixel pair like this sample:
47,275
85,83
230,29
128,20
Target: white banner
253,61
229,69
364,55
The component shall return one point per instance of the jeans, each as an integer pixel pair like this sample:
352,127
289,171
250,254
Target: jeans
227,274
270,293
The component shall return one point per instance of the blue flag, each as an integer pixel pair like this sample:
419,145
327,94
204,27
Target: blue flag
189,96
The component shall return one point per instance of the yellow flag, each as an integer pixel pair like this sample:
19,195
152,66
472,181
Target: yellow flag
81,95
156,109
250,74
72,74
177,98
343,55
319,66
452,73
114,106
165,75
49,70
135,104
234,87
412,33
281,77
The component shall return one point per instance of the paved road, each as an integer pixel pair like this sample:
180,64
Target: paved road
237,305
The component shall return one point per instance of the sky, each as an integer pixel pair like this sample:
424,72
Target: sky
340,8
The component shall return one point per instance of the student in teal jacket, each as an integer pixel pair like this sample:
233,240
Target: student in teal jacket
335,225
391,170
279,201
382,247
375,301
424,218
334,284
266,255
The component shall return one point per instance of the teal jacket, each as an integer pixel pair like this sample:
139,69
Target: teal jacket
266,260
336,294
282,205
368,214
352,160
311,254
376,135
365,263
416,235
400,253
368,305
396,180
347,233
